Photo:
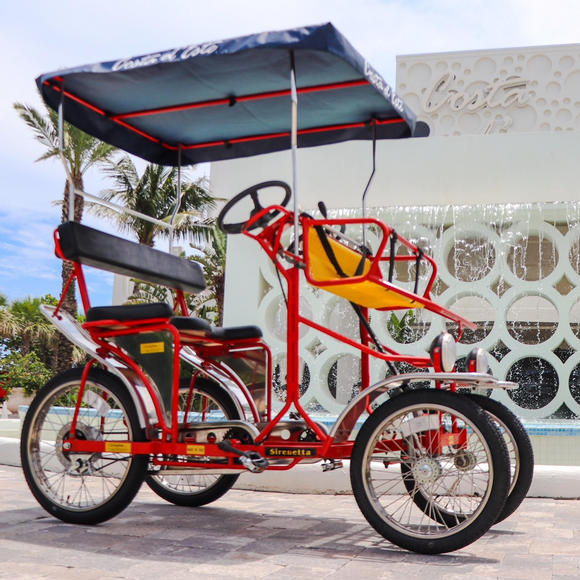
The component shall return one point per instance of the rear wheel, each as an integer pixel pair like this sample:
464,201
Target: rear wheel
82,488
521,457
198,488
458,462
521,453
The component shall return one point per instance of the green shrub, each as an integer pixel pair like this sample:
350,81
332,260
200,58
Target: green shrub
23,371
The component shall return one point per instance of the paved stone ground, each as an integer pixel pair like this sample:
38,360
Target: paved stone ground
249,534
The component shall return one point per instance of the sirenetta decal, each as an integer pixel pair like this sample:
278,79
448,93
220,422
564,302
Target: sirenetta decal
174,55
290,452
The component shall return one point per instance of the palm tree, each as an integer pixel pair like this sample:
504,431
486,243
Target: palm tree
81,152
9,326
26,335
154,193
33,330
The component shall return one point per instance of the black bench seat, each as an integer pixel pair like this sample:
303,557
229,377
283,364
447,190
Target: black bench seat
189,326
80,243
91,247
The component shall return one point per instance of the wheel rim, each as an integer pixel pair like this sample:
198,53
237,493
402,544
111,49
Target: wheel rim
448,486
80,481
513,451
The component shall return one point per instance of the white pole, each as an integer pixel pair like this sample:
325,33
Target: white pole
177,201
294,144
70,182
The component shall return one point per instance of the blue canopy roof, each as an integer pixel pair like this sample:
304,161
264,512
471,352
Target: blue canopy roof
231,98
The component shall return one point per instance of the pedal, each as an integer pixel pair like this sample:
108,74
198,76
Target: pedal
332,464
251,460
254,462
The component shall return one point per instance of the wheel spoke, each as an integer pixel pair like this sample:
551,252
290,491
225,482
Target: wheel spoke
197,488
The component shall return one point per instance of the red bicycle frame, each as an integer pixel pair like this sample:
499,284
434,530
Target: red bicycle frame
164,434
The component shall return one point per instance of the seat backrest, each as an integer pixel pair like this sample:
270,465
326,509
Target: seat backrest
80,243
320,265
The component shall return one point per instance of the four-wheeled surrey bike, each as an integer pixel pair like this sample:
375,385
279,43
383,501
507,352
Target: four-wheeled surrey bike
185,406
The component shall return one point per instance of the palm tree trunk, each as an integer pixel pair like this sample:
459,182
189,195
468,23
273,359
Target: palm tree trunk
219,289
64,349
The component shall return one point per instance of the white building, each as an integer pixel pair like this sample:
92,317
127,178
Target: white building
495,193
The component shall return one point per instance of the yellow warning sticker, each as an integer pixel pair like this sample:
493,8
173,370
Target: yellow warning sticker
152,347
117,447
452,439
196,450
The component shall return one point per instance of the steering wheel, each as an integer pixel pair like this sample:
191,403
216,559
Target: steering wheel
252,193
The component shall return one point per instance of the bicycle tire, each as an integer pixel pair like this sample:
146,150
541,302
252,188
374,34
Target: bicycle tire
79,488
520,451
474,477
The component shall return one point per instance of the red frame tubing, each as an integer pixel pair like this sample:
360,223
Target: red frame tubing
80,396
100,331
270,239
193,450
76,273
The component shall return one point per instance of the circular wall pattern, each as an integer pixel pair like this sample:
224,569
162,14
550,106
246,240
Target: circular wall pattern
470,259
477,308
531,319
525,253
538,383
528,315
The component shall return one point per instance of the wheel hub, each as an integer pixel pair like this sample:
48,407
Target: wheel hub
464,460
426,470
76,463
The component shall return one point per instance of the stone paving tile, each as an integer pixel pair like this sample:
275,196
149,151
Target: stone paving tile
267,535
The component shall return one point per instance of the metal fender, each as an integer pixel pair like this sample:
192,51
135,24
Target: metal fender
347,420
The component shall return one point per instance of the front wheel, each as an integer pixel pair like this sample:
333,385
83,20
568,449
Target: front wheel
82,488
458,462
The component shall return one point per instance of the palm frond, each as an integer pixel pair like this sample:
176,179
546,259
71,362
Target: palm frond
81,150
100,152
154,193
9,325
45,131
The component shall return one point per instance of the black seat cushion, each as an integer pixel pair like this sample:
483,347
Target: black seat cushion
198,325
236,332
191,324
129,312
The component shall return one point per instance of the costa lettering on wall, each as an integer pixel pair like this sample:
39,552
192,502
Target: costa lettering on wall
494,91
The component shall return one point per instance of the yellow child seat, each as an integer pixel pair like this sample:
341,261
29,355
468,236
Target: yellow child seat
336,268
356,276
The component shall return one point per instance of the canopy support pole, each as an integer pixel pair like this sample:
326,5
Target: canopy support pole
294,145
177,201
121,209
70,182
364,195
73,190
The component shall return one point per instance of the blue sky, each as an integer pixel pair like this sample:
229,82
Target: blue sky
39,36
